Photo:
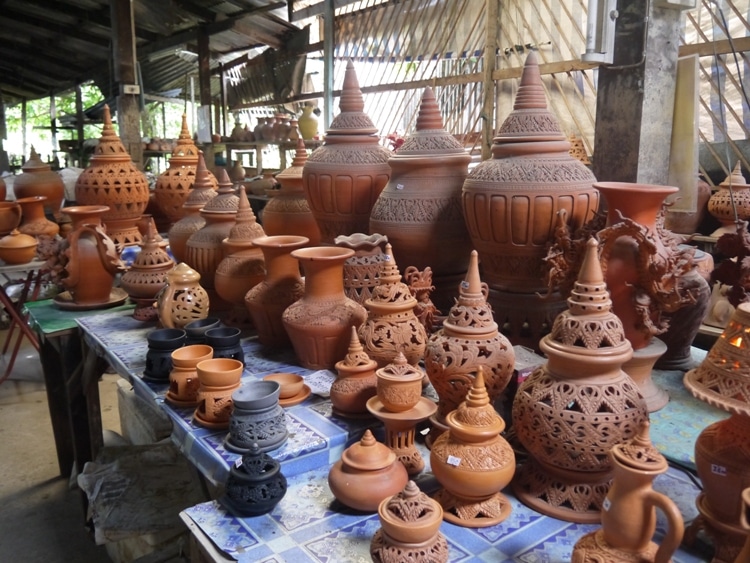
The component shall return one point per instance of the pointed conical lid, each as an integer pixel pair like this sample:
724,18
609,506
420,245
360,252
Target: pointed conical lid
430,137
735,179
368,454
400,370
202,190
152,255
185,149
295,170
412,505
471,314
352,120
390,289
226,200
35,163
476,416
639,453
356,356
530,119
110,146
246,227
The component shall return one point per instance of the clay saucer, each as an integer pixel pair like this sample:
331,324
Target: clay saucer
424,409
178,403
64,301
296,399
209,424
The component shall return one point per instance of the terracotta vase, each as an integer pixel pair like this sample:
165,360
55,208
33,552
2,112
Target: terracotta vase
731,202
257,418
410,529
267,129
473,462
344,177
183,299
288,213
173,185
255,484
10,216
33,220
392,327
308,123
147,276
319,323
183,379
238,132
237,172
112,179
629,514
356,381
361,271
582,386
282,286
294,134
18,248
38,179
367,473
219,378
201,192
468,339
420,208
203,250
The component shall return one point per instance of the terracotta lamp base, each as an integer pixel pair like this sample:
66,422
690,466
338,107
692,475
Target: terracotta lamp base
473,513
593,548
566,495
727,540
145,310
384,549
639,369
525,317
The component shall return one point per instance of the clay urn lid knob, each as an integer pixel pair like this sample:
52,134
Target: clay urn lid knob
735,179
110,146
471,314
352,119
246,226
368,454
475,419
400,370
35,163
185,147
412,505
639,453
356,355
298,163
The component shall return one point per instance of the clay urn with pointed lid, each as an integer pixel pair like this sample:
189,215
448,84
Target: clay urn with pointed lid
356,381
582,386
173,185
343,178
38,179
420,208
367,473
288,212
731,202
200,193
113,180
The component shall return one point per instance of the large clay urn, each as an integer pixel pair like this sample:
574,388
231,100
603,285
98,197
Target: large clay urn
200,193
420,208
731,202
33,219
38,179
570,412
343,178
281,287
173,185
113,180
288,212
629,514
319,323
391,326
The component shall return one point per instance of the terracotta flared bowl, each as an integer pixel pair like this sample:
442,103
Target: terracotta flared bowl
219,372
190,356
256,395
291,383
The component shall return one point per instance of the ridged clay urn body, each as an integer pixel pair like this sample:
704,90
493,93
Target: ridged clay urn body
173,185
38,179
731,202
182,300
113,180
356,381
511,201
343,178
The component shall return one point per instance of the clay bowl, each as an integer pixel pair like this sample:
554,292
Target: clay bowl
196,330
17,248
190,356
219,372
291,384
166,338
256,395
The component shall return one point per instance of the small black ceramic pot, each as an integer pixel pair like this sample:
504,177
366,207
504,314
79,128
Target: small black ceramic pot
161,343
255,484
226,343
196,330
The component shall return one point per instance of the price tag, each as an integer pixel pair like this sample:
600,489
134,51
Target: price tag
424,431
453,460
464,285
386,257
238,463
399,186
606,504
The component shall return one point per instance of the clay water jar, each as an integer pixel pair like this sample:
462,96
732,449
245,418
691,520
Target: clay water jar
10,216
183,379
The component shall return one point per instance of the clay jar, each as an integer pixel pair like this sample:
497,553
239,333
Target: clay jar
10,216
355,381
361,271
183,379
308,123
219,378
161,343
17,248
344,177
399,385
255,484
281,287
257,418
33,221
367,473
183,299
319,323
38,179
733,196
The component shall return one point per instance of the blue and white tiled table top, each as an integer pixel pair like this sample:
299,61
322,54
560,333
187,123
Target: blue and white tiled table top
309,525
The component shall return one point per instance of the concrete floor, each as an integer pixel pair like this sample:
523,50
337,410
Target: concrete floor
41,516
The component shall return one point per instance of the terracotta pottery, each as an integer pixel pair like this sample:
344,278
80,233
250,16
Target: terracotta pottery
38,179
320,322
183,299
112,179
33,220
473,462
255,484
367,473
410,529
267,129
290,384
257,418
722,450
420,208
744,554
282,286
10,216
17,248
196,330
201,192
344,177
183,379
582,385
420,286
361,271
225,342
288,213
237,172
203,250
237,134
399,384
731,202
3,189
173,185
469,339
219,378
308,123
294,134
392,327
629,512
356,381
147,276
161,343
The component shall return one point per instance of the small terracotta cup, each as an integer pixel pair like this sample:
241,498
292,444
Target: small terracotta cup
183,379
291,384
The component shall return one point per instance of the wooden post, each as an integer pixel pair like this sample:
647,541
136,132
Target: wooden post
328,47
204,83
488,86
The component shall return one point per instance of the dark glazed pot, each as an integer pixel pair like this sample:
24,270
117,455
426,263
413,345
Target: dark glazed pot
196,330
161,343
226,343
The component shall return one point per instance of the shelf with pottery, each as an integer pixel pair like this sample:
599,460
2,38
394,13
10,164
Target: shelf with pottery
266,154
